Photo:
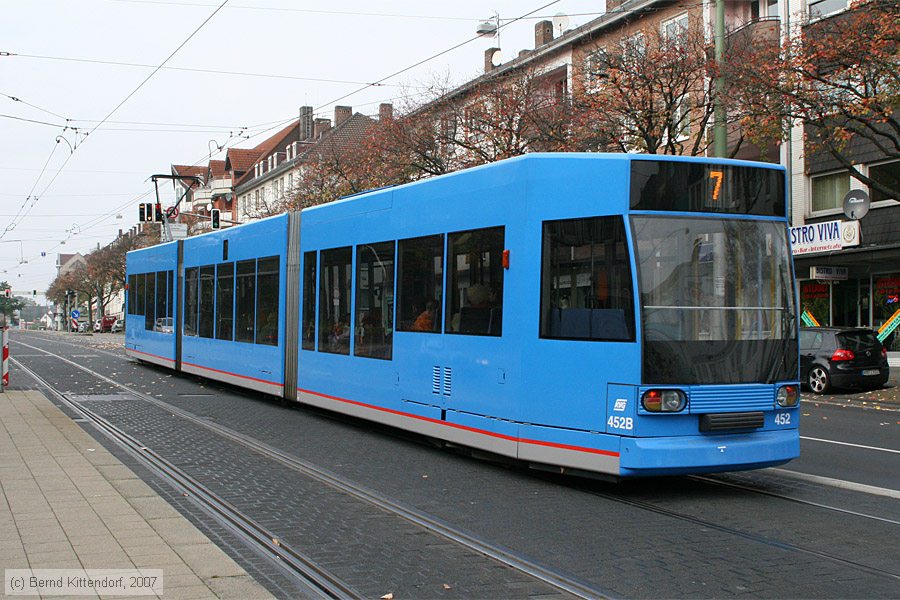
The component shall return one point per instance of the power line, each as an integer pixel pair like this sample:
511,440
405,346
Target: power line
117,63
102,121
300,10
430,58
276,124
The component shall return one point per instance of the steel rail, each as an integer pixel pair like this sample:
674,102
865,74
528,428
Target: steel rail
650,507
509,558
749,488
319,581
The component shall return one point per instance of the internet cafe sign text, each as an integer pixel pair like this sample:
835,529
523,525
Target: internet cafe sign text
824,237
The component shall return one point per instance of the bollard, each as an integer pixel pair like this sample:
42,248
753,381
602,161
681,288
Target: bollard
4,336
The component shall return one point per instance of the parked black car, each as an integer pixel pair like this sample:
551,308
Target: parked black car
841,357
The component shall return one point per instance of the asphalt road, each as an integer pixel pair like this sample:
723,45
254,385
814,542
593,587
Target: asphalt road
761,534
850,442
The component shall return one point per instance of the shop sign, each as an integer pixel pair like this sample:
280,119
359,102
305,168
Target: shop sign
824,237
829,273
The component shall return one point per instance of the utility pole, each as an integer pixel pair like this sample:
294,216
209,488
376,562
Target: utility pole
720,133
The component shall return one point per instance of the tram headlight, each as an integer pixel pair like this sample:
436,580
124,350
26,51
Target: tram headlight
663,400
787,396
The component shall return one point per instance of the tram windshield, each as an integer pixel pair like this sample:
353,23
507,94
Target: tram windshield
717,300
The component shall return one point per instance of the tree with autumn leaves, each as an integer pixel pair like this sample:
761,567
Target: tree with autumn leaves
649,92
840,78
99,278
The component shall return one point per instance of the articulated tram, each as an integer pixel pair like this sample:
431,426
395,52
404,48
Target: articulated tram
629,315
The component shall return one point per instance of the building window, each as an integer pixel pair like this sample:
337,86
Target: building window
256,200
828,191
421,276
475,285
334,300
823,8
586,291
374,300
887,174
676,29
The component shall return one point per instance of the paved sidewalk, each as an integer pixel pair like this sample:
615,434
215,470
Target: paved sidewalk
67,503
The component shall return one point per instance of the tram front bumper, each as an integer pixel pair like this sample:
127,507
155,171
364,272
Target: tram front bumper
707,453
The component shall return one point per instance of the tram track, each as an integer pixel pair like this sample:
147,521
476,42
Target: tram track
757,538
307,573
511,559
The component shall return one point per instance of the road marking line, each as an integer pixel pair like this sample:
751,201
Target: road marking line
839,483
803,437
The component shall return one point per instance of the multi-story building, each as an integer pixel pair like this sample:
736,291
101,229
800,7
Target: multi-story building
269,184
855,281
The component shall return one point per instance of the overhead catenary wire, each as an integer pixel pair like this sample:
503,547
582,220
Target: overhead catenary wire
243,136
24,214
117,63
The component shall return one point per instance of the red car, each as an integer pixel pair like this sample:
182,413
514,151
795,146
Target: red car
105,324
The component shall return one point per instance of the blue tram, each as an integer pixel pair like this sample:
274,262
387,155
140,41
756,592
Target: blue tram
629,315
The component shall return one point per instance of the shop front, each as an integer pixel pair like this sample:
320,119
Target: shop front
854,285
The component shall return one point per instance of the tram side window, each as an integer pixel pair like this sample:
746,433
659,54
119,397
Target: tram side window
139,294
163,323
225,301
334,300
586,291
132,282
267,275
190,300
245,301
150,301
421,276
207,301
475,284
309,301
170,278
374,300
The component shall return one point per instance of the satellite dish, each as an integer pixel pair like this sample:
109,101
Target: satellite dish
497,58
560,22
856,204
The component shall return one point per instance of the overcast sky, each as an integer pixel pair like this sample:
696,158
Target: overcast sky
289,54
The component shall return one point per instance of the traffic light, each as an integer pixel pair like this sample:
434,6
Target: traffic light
158,213
215,218
146,212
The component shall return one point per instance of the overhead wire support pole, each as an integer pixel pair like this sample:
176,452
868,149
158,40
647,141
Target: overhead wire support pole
167,231
720,133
